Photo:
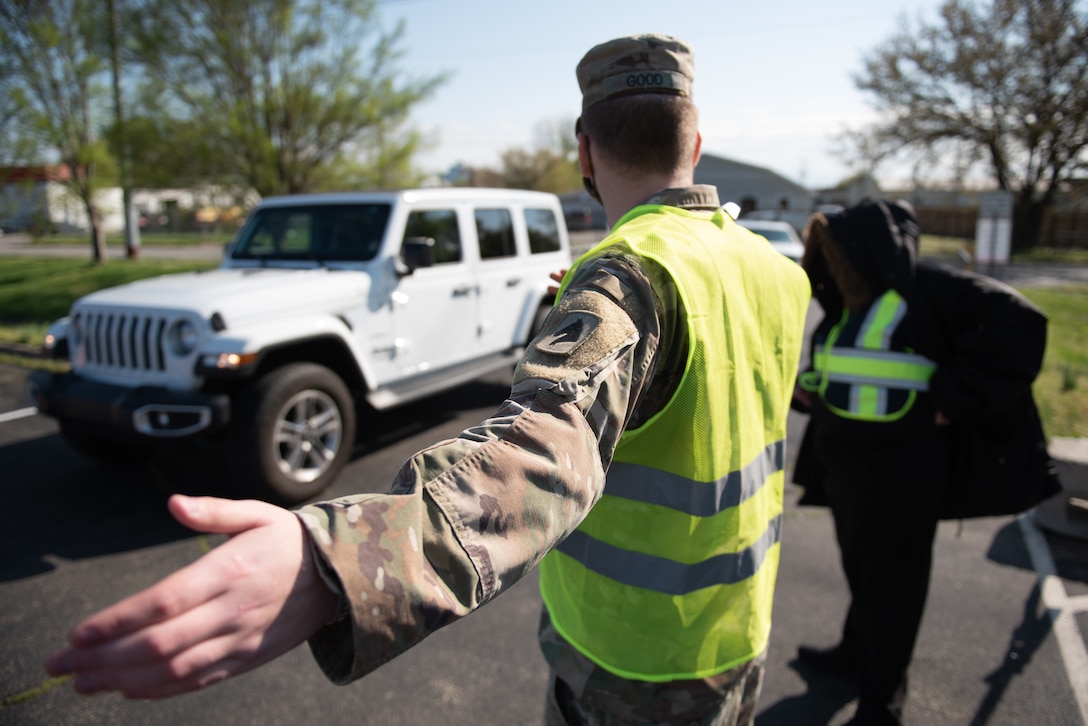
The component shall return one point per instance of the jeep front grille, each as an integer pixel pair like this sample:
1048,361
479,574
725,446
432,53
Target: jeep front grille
123,341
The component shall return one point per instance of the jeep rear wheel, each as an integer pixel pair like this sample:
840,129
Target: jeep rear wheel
291,433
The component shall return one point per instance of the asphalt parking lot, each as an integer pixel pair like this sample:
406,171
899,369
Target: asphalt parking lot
1002,642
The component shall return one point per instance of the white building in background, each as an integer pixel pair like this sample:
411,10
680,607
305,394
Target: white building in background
759,192
39,197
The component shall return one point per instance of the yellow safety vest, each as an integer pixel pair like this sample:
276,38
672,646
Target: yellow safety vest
671,575
857,372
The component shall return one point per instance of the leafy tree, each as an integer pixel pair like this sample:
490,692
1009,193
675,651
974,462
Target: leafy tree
551,166
12,140
54,69
373,163
1001,82
272,94
169,152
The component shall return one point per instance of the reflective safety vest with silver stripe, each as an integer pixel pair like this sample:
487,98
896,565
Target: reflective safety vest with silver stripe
856,372
671,575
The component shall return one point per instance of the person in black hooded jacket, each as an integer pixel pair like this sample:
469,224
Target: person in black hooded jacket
921,410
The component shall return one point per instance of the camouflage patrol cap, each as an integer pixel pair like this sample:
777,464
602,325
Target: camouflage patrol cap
646,63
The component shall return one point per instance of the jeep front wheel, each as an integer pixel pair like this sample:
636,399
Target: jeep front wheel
292,432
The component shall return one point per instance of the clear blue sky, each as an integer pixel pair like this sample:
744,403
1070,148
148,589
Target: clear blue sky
773,79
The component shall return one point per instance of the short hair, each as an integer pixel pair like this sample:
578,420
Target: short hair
645,133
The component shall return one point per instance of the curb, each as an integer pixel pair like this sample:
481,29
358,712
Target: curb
1066,513
21,349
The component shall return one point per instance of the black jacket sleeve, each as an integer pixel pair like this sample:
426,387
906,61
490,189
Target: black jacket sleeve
988,342
987,339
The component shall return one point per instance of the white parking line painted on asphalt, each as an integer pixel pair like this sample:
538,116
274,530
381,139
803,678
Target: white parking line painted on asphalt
1063,610
16,415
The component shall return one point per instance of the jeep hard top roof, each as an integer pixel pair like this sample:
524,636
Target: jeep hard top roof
437,194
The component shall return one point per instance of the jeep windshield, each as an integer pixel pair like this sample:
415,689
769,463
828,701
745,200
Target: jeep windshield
318,232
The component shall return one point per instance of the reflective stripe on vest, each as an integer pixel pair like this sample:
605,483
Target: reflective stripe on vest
666,576
699,499
879,368
671,574
858,375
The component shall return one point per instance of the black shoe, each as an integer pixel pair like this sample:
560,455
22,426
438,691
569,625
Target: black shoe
832,661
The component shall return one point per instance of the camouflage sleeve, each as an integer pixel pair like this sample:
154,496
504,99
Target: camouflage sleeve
468,517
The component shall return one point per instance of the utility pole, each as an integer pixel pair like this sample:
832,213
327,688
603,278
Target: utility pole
132,229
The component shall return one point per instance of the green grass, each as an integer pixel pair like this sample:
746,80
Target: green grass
147,239
23,333
35,290
1053,255
943,248
951,248
1062,388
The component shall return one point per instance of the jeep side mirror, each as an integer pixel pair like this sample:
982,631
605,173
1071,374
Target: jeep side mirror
415,253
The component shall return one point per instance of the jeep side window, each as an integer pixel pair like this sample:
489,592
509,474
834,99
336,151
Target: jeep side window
543,230
495,230
441,226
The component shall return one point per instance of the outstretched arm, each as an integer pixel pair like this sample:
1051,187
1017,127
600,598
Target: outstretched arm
244,603
465,519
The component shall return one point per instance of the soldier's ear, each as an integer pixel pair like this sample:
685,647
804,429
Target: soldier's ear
585,164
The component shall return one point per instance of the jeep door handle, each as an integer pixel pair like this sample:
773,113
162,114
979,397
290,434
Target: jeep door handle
462,291
513,282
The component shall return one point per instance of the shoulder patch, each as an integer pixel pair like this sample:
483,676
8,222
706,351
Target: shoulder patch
571,332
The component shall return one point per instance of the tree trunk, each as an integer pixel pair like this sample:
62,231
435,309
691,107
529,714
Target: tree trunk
98,233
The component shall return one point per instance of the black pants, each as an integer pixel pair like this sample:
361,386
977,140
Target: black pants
885,502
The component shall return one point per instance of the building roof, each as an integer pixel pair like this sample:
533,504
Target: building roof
15,174
756,179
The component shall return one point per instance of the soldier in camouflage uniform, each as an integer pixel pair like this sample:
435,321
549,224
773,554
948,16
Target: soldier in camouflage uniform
369,576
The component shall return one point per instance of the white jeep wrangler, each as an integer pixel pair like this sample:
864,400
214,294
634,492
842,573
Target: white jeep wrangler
322,303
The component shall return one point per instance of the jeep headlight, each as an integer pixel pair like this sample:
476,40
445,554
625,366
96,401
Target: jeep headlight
57,336
183,338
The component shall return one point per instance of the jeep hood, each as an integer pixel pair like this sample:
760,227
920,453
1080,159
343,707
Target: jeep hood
239,294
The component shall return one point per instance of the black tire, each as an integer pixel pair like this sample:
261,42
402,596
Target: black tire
102,449
291,433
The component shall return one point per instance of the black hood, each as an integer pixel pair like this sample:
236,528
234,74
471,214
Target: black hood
863,250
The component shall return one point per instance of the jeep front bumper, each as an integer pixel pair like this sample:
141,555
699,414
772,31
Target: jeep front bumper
144,412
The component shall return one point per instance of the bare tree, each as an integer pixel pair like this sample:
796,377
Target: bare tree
1001,82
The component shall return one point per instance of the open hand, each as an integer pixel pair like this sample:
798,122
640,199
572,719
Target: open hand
244,603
